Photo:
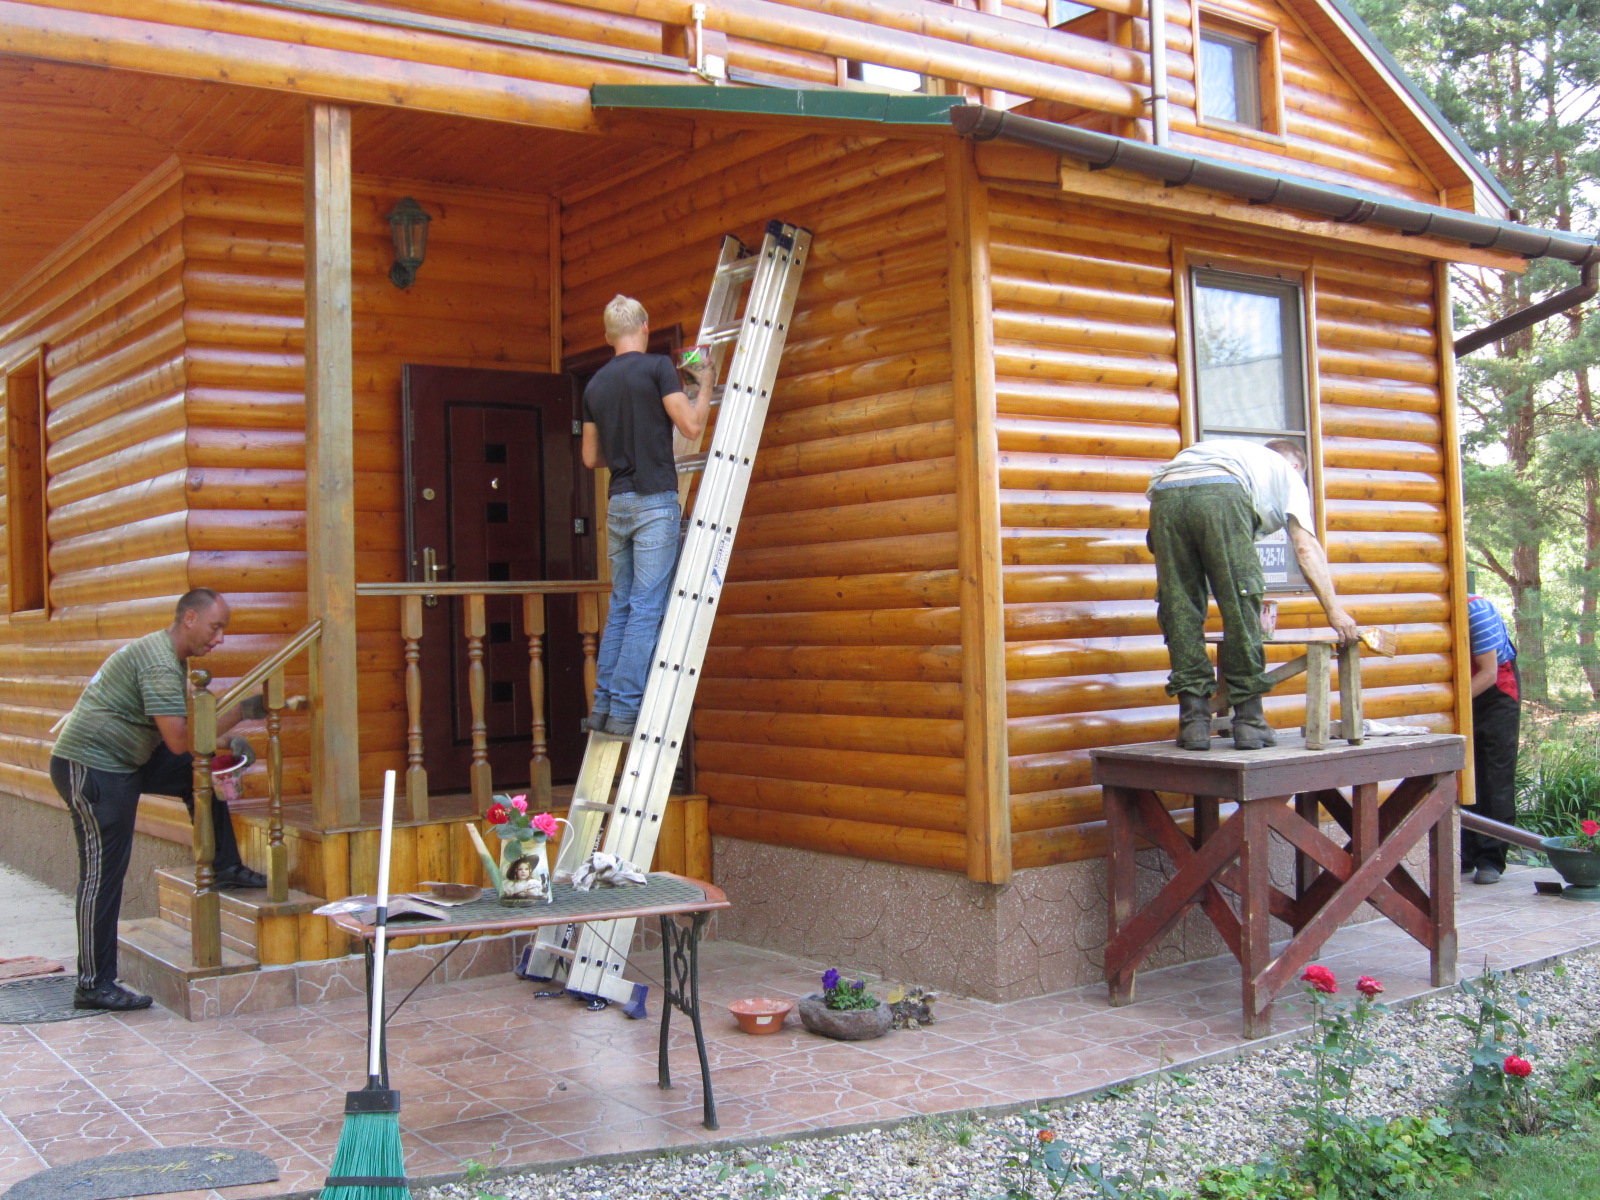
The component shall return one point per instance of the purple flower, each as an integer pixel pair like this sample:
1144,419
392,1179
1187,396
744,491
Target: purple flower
830,979
859,985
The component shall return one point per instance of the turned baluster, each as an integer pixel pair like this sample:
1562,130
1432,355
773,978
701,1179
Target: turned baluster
416,774
477,627
589,630
277,852
205,920
533,623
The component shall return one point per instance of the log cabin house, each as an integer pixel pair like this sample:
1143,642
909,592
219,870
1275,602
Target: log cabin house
1054,242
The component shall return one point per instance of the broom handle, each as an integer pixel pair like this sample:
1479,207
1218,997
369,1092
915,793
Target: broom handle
385,836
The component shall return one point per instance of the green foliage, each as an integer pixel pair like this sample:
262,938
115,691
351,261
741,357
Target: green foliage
1253,1181
1559,785
845,996
762,1176
1386,1160
1340,1047
1490,1105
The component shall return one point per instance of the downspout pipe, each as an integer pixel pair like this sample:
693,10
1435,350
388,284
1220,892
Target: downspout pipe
1516,322
1174,169
1158,70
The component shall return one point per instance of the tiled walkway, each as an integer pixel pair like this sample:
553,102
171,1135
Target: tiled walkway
486,1072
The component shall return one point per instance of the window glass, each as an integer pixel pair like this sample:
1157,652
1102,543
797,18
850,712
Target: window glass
1230,86
1061,11
1249,378
891,79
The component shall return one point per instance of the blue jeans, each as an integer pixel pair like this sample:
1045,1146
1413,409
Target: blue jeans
643,533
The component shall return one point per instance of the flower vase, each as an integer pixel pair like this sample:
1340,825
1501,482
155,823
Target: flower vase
1578,865
525,872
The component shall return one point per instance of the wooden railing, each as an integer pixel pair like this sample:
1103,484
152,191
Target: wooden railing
205,929
473,595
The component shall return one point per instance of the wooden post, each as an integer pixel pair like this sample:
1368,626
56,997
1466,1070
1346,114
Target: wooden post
205,921
1455,518
983,663
1121,882
1319,664
416,773
1351,719
477,627
589,631
330,468
277,852
533,624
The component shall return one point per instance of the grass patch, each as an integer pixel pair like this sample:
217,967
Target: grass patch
1560,1167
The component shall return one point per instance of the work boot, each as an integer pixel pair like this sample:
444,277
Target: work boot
1194,722
1250,728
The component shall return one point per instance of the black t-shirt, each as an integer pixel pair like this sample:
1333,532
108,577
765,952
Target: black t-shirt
624,401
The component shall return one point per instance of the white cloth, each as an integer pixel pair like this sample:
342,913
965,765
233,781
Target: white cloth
1275,488
607,870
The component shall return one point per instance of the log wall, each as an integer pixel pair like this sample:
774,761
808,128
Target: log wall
176,430
1088,395
829,715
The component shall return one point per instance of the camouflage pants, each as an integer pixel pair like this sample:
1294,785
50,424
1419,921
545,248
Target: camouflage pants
1204,534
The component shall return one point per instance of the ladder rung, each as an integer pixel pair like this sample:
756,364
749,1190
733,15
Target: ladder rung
691,464
723,333
740,268
592,806
559,951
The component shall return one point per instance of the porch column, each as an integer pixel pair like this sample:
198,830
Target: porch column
983,638
330,468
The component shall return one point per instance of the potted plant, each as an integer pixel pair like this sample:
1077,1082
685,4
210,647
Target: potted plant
1577,857
846,1011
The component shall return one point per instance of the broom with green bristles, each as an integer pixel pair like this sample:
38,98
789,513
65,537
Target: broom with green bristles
369,1163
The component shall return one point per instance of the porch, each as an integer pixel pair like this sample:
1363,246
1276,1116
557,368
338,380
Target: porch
489,1074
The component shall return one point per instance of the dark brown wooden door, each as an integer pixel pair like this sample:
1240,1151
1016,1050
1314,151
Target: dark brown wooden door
494,480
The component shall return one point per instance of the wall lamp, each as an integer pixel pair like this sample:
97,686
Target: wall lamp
408,226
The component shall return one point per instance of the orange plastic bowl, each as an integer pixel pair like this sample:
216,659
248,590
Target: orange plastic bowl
760,1014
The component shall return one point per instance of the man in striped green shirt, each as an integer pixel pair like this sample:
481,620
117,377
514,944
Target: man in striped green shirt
127,735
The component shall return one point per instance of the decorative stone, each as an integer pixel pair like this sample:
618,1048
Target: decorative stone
847,1025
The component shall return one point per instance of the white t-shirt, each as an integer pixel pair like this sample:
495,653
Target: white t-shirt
1274,486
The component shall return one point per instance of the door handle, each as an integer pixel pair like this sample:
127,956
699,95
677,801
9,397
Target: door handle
431,566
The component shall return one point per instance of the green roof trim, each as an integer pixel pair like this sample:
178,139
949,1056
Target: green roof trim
883,108
1403,78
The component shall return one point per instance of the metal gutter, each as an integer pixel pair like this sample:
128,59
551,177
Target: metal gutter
1333,201
1588,284
883,107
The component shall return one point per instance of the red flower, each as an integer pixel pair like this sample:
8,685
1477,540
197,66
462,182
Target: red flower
1520,1067
1369,987
1321,979
1046,1136
497,814
1590,828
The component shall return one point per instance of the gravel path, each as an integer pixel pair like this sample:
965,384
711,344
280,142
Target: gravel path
1230,1112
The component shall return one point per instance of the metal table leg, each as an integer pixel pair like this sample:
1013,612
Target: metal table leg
680,972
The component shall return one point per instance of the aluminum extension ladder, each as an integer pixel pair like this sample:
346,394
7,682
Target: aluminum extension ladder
589,959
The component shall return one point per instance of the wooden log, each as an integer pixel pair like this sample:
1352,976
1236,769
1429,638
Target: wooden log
921,736
926,589
937,664
857,415
901,481
855,767
889,627
899,698
856,839
890,518
881,806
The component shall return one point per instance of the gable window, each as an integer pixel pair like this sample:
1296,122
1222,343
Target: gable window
1239,73
1229,78
27,544
1249,372
1060,12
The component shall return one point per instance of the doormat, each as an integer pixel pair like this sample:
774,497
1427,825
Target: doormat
146,1173
35,1001
27,967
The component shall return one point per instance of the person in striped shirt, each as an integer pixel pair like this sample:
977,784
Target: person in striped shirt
1496,721
129,734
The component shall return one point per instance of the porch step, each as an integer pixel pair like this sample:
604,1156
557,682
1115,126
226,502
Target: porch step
154,956
268,932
